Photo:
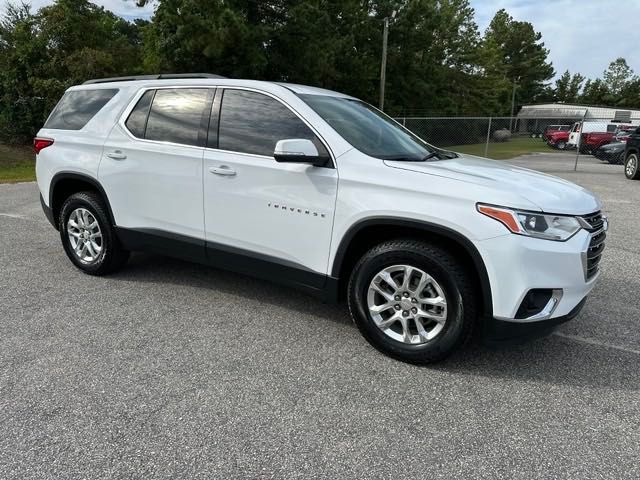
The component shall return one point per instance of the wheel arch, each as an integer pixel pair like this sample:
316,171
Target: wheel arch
629,151
371,231
64,184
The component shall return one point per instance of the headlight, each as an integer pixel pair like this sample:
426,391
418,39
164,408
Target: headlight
538,225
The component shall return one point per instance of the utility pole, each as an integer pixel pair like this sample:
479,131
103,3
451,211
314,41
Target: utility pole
383,66
513,105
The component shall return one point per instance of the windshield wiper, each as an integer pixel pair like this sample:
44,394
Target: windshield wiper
429,156
440,155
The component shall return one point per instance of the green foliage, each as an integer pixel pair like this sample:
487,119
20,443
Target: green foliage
568,87
618,87
512,51
43,54
438,62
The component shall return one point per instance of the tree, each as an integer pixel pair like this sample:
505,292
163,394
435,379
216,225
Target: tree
514,51
568,87
433,51
617,75
61,45
225,37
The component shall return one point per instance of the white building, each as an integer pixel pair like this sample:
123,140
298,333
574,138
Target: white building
565,110
534,118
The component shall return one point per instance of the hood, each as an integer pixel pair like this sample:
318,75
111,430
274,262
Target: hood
550,194
614,146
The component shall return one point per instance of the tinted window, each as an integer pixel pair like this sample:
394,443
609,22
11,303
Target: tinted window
176,115
77,107
253,123
137,121
367,129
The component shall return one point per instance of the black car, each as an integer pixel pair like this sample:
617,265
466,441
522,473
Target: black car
612,153
631,156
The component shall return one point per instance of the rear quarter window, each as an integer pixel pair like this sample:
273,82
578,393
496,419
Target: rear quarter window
77,107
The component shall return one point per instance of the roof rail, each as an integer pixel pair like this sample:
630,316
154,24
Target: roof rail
162,76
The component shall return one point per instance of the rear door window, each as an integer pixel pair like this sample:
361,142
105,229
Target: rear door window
77,107
179,115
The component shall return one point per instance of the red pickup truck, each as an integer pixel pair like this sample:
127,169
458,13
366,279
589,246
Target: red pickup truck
557,139
592,141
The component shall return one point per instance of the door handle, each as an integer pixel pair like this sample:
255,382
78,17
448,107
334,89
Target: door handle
223,170
116,155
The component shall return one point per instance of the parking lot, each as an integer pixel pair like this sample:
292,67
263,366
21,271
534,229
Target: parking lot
174,370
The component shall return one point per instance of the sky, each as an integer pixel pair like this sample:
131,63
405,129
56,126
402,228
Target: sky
584,36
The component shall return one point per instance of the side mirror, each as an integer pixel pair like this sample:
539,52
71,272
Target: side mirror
298,150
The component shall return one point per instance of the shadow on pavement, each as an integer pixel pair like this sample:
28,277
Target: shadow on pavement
551,360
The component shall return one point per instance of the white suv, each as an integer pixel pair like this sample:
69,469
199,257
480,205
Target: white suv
320,191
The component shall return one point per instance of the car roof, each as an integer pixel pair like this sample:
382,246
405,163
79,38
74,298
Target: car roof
153,81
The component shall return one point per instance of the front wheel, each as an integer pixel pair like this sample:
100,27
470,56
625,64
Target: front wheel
561,145
631,169
412,301
88,238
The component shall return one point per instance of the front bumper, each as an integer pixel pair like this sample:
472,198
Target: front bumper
500,331
519,264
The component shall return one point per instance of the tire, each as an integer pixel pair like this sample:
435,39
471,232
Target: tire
101,252
631,168
561,145
451,281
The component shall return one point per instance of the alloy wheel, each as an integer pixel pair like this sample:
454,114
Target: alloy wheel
84,235
631,166
407,304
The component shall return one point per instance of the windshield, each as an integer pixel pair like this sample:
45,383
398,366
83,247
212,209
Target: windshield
369,130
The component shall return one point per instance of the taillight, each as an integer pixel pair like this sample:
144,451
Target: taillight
39,143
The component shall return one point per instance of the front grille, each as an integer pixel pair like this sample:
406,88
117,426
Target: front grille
596,220
593,255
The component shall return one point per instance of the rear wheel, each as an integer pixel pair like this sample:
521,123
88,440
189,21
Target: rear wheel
412,301
631,169
561,144
88,238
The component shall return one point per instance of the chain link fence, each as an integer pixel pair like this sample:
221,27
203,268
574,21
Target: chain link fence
505,138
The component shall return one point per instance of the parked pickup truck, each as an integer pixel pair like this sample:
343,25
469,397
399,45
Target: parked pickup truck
592,141
558,139
554,128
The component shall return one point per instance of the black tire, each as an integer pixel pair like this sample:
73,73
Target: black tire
631,168
561,145
112,257
453,278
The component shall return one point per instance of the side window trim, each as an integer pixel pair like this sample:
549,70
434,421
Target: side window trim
146,118
214,121
283,103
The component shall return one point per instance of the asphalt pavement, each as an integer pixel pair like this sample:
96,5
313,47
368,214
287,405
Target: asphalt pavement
174,370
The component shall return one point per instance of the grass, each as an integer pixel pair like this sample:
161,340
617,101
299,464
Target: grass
17,164
504,150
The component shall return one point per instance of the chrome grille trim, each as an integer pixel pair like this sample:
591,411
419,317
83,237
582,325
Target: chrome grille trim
596,224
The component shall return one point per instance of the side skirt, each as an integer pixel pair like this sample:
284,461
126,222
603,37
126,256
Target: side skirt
230,258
